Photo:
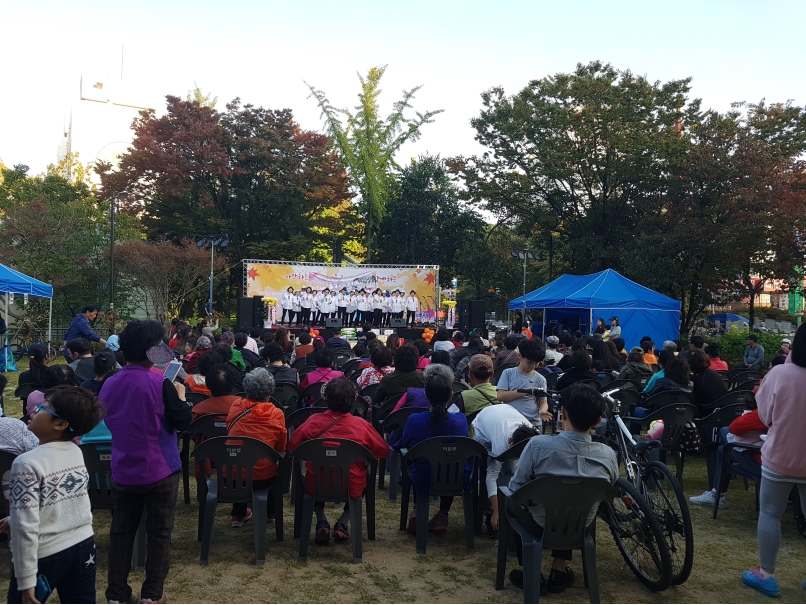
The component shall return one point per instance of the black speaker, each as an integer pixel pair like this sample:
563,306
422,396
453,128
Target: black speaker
476,315
333,322
257,312
463,314
246,311
397,322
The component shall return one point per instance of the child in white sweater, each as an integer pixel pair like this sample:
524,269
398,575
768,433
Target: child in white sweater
50,522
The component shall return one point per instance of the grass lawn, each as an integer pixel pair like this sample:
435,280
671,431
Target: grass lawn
393,572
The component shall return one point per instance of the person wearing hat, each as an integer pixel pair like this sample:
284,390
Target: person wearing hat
552,342
754,353
481,393
636,364
786,347
615,328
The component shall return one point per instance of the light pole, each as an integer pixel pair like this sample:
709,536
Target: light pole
222,241
525,254
117,195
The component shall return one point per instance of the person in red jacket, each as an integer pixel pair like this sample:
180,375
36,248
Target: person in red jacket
337,422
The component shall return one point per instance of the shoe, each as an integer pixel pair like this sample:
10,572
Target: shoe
340,533
491,533
767,587
438,524
559,581
516,578
707,499
239,521
412,526
162,599
322,533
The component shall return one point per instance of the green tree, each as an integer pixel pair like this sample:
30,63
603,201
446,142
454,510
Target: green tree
368,143
204,100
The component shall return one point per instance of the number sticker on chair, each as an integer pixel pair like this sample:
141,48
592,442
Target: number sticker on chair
331,453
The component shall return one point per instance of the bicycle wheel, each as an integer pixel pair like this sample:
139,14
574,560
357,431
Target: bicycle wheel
16,351
638,536
664,495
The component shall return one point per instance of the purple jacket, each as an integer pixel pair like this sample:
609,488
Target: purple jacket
144,443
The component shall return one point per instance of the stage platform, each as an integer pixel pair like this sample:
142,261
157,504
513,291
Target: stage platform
405,333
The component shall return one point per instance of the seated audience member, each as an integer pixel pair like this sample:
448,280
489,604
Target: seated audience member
223,379
81,354
236,358
498,428
619,344
707,384
675,377
282,338
393,343
381,358
716,363
366,334
525,376
663,358
275,365
249,356
336,341
15,438
571,453
338,423
203,344
458,340
602,353
578,345
304,348
323,372
670,345
441,341
251,335
421,426
38,362
54,376
113,345
547,366
696,344
360,351
197,383
422,349
636,363
552,342
580,370
481,393
648,348
102,364
405,375
474,346
415,396
254,416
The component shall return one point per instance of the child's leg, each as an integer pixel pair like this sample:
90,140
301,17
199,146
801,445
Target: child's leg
78,585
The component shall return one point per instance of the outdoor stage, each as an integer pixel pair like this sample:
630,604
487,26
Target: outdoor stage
405,333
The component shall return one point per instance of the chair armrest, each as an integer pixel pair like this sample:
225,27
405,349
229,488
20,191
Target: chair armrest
503,490
633,419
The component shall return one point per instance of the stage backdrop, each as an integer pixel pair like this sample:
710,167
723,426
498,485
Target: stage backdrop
272,278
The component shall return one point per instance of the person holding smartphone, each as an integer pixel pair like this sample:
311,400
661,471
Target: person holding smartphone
526,377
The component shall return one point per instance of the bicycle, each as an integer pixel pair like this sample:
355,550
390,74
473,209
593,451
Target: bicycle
633,523
22,337
657,485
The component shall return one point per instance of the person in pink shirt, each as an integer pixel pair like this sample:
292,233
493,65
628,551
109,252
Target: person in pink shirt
780,407
422,348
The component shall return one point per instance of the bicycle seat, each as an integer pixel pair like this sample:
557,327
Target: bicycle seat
642,446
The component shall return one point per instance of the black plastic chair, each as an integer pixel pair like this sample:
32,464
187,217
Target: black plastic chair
312,392
292,422
395,420
725,376
741,377
500,370
640,380
710,425
368,392
23,390
195,398
724,464
623,384
551,380
331,460
209,425
459,387
299,363
746,386
568,502
98,460
341,357
604,380
590,382
350,366
379,413
447,457
6,460
664,398
306,369
730,399
289,395
238,455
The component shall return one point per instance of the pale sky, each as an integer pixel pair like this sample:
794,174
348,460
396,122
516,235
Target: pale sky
262,51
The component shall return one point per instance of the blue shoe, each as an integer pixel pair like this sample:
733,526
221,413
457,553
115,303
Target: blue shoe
767,587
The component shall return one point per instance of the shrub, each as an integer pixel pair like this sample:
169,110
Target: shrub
732,346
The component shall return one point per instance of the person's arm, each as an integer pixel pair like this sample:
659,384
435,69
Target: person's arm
87,332
177,411
525,471
493,471
24,527
765,400
746,423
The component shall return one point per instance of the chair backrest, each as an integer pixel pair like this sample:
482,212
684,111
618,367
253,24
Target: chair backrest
383,409
622,383
664,398
448,457
398,418
641,379
458,387
551,380
313,391
233,460
369,392
746,376
567,390
289,395
655,368
604,380
629,398
567,501
731,398
674,418
209,425
340,357
350,366
195,398
747,386
296,418
307,369
361,408
23,390
514,452
194,370
710,425
299,363
331,460
98,460
500,370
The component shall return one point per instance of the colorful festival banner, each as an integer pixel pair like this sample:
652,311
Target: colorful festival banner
272,278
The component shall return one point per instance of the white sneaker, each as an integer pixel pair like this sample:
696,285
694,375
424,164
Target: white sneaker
707,499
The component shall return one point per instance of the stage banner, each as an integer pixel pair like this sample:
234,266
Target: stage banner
272,278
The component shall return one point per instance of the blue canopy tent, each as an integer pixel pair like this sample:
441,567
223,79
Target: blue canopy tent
578,300
732,317
14,282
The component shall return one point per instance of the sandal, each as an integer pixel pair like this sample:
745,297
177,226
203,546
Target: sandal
322,533
340,533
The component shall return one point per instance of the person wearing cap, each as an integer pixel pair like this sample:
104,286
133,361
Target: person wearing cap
786,347
615,328
636,364
552,342
754,353
481,393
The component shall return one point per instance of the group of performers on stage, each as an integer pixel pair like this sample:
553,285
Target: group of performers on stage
354,308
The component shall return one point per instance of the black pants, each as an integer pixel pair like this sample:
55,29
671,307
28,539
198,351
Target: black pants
305,316
159,501
385,319
377,314
287,313
410,317
342,315
71,572
445,502
239,508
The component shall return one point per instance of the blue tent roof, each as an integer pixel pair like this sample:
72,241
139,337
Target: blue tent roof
723,317
17,283
606,289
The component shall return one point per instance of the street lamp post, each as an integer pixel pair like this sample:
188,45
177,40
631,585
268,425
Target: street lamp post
525,254
117,195
222,241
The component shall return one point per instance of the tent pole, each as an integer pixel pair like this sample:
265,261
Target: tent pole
6,350
590,322
50,319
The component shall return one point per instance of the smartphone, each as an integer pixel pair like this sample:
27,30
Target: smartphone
171,370
42,590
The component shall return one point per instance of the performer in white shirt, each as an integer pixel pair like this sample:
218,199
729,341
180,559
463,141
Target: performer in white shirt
377,305
411,308
306,301
351,307
342,300
387,310
398,304
295,307
286,301
363,306
330,302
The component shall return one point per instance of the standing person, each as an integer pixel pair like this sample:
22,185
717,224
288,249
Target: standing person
144,412
352,301
286,302
387,309
525,376
305,302
80,328
342,300
398,305
295,307
783,458
50,520
412,303
517,326
317,308
753,353
377,306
